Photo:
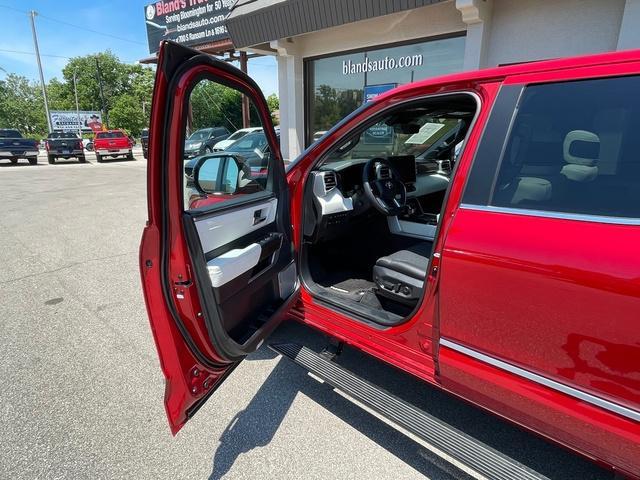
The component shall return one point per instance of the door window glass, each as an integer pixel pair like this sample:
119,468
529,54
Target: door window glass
217,172
573,148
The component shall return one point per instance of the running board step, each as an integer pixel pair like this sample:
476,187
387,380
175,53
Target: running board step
460,447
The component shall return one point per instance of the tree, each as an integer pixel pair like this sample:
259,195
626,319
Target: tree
214,105
21,105
273,102
330,105
127,114
113,73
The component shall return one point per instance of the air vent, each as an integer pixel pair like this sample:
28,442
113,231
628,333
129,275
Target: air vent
330,181
445,166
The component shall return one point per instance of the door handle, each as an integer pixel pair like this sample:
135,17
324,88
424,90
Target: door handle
257,217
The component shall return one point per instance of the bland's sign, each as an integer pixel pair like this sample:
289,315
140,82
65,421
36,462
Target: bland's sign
71,121
188,22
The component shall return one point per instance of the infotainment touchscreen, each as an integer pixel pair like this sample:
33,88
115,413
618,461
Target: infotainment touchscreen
405,165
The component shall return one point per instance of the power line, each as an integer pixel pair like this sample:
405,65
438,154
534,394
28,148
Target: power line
91,30
14,9
22,52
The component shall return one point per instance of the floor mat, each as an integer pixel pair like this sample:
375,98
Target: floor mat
352,285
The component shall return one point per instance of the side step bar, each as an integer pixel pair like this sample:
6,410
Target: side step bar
462,448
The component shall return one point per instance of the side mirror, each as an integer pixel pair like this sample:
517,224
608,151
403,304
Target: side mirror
216,174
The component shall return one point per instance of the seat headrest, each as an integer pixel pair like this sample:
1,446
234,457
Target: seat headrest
581,148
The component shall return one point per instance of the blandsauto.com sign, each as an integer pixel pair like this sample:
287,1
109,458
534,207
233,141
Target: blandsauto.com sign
387,63
189,22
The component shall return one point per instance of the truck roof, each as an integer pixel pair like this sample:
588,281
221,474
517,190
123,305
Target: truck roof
498,73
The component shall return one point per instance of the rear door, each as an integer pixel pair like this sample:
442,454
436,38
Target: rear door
216,256
540,270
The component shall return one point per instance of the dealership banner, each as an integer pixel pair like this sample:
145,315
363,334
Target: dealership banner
71,121
188,22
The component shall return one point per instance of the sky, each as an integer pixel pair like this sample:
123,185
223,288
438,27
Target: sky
117,25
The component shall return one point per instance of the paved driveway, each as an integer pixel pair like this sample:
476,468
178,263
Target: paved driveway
81,389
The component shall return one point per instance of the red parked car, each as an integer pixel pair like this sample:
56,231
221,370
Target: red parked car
488,246
112,143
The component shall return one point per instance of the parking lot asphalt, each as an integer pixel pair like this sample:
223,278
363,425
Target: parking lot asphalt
81,388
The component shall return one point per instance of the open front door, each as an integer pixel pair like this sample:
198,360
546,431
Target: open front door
216,256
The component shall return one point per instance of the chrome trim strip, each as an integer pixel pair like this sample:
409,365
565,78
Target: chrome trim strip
534,377
557,215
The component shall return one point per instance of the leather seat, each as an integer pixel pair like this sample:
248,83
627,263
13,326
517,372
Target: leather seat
400,276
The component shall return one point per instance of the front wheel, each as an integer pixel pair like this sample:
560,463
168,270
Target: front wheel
51,159
98,158
33,160
130,156
13,160
82,159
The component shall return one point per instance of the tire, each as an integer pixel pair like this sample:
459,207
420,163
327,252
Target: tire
33,160
51,159
13,160
130,156
98,158
82,159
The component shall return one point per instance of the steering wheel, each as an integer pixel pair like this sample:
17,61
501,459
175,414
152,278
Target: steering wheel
388,195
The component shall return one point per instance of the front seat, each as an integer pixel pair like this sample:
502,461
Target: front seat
400,276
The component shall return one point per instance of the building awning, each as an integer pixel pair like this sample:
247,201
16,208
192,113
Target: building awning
252,22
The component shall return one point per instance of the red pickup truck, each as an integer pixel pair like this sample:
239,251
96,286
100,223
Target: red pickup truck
489,247
112,143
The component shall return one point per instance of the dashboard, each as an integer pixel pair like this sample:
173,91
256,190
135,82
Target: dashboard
338,196
429,178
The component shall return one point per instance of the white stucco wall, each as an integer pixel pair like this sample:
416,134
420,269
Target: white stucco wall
539,29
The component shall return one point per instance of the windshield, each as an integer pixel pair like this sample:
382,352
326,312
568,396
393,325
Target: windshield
237,135
250,142
63,135
418,132
200,135
10,134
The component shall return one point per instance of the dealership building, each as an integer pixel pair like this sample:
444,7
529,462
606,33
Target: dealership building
332,55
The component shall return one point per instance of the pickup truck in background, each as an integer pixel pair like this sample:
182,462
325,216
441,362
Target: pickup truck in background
112,143
14,146
64,145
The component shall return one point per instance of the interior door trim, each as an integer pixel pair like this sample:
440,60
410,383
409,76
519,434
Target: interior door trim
613,407
218,229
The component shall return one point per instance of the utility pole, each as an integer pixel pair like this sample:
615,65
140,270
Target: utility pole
104,105
32,15
75,92
246,119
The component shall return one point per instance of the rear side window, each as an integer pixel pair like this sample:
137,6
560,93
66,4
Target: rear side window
574,147
110,135
10,134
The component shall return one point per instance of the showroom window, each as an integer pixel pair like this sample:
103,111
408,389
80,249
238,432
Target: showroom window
573,148
337,85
